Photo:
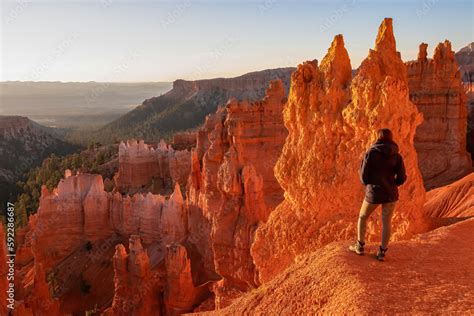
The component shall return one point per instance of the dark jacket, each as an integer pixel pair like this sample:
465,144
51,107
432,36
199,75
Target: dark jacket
382,171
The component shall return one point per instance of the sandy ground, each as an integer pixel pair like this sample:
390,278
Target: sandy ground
431,273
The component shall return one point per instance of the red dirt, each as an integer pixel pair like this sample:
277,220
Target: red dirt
453,200
431,272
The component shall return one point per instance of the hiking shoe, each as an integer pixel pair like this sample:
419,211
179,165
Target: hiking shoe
357,247
381,254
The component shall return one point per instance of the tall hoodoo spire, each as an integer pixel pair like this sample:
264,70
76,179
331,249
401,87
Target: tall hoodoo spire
422,52
385,38
331,121
336,65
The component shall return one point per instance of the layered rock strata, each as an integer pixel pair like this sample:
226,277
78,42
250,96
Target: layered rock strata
88,213
75,229
145,168
137,287
437,90
234,189
465,60
181,295
185,140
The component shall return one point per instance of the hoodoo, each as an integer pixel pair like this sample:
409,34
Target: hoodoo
331,122
236,189
136,285
184,246
437,90
157,170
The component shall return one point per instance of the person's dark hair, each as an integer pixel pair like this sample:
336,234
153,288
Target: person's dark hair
384,134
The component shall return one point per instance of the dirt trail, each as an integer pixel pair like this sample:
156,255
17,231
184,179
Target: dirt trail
431,273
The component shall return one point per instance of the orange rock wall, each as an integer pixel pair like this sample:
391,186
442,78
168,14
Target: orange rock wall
236,189
184,140
88,213
437,90
144,168
332,120
136,286
80,214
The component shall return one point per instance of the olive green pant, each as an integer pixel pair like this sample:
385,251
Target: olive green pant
366,210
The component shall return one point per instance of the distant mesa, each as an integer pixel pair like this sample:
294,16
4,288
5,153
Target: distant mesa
186,105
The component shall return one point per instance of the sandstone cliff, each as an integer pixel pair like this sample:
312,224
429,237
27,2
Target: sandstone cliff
40,302
236,189
88,213
180,292
184,140
331,122
73,234
145,168
465,60
136,286
437,90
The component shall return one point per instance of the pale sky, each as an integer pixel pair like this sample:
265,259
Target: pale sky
130,41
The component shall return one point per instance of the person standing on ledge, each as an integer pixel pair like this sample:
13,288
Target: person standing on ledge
382,172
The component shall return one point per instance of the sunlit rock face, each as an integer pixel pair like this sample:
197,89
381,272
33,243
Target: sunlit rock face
73,235
40,302
79,210
235,189
202,194
437,90
143,168
181,295
332,120
136,286
61,218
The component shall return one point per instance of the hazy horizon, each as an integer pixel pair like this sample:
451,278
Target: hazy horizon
137,82
121,41
90,81
75,104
